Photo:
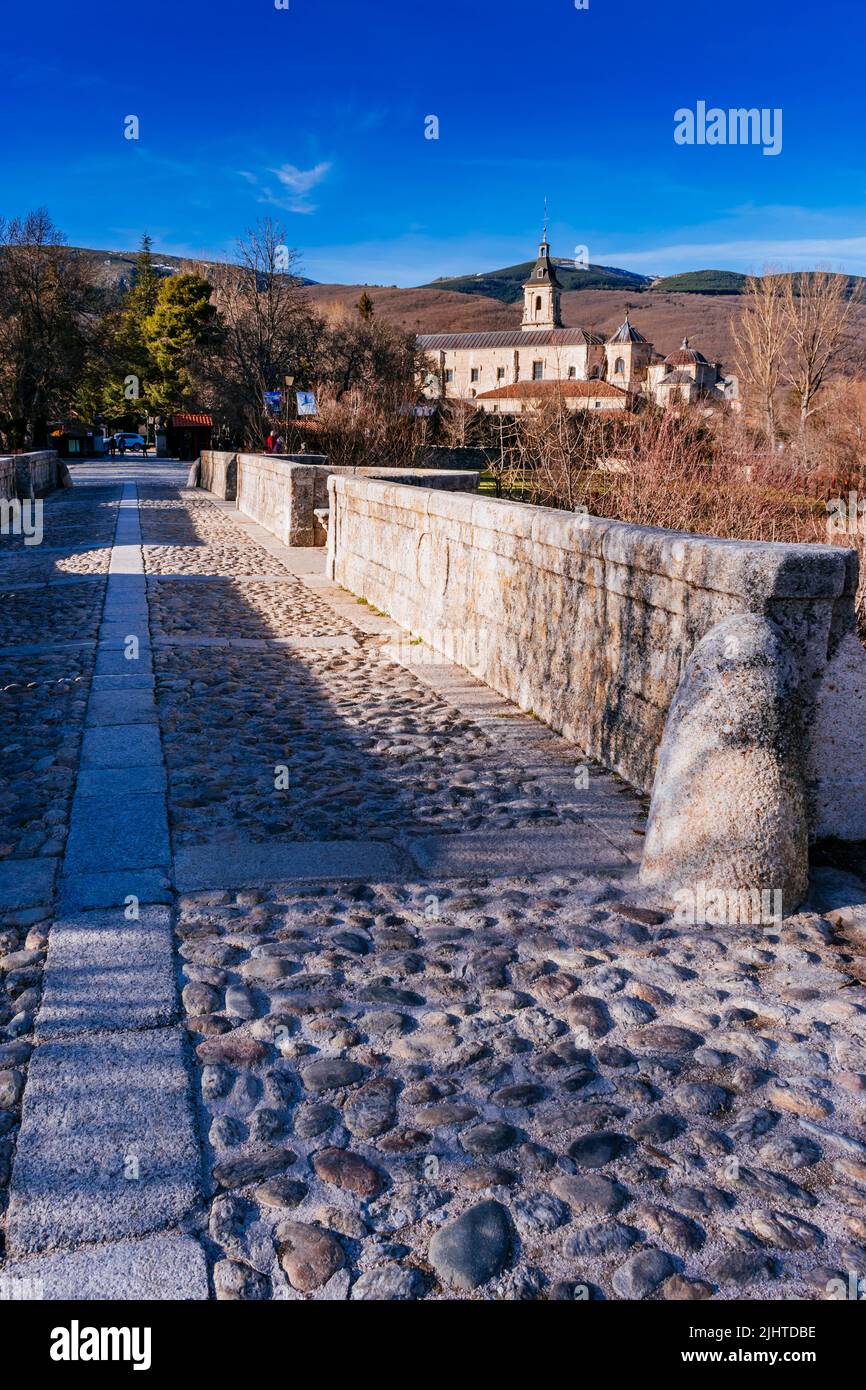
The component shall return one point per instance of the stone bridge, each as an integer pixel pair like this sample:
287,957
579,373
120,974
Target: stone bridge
327,969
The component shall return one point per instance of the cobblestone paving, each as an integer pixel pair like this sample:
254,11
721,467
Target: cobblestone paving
532,1086
67,613
367,748
35,566
71,519
653,1110
225,608
42,704
635,1109
188,535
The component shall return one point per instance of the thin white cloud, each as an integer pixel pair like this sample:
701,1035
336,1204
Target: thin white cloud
299,183
296,185
301,180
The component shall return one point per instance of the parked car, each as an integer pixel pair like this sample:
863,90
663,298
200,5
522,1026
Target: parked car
133,442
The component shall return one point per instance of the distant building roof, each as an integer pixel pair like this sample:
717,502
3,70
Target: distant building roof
182,419
550,389
685,356
540,337
627,333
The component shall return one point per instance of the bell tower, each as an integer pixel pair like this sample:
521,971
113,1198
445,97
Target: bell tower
541,292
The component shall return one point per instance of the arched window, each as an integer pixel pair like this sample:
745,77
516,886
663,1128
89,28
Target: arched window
619,367
572,373
538,304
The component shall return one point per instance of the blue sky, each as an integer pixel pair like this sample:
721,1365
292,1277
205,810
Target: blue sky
315,115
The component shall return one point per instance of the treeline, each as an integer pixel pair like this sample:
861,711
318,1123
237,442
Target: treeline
212,338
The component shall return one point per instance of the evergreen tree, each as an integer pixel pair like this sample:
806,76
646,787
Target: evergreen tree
183,322
141,301
128,368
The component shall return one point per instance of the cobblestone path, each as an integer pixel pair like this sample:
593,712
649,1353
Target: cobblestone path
325,972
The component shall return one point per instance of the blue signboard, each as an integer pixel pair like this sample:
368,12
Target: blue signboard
307,403
273,401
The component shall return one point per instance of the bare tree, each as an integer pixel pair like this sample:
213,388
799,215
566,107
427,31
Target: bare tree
357,350
818,308
458,423
760,333
555,452
359,428
47,312
270,330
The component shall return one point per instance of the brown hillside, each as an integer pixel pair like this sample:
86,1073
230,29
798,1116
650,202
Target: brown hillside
663,318
422,310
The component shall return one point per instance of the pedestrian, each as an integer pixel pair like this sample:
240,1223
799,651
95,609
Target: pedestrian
278,444
121,446
112,446
269,443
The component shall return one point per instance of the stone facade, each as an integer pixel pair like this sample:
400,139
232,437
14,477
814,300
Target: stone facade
686,375
524,396
591,623
464,365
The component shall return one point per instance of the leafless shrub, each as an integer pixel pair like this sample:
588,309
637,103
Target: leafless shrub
355,430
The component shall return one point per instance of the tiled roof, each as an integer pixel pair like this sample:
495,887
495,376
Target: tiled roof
627,333
684,356
183,419
540,337
542,389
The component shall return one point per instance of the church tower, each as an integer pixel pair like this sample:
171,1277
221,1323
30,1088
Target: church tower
541,292
628,355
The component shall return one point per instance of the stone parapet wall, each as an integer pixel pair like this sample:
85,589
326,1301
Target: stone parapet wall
591,624
29,475
282,492
218,473
7,479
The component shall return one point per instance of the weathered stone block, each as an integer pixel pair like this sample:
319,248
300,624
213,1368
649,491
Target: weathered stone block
729,803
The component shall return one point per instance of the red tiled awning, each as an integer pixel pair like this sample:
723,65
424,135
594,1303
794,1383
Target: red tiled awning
183,420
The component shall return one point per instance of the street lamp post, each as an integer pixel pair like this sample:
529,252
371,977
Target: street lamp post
290,381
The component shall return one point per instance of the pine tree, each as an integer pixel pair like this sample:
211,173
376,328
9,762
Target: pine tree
183,321
126,385
366,308
141,301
